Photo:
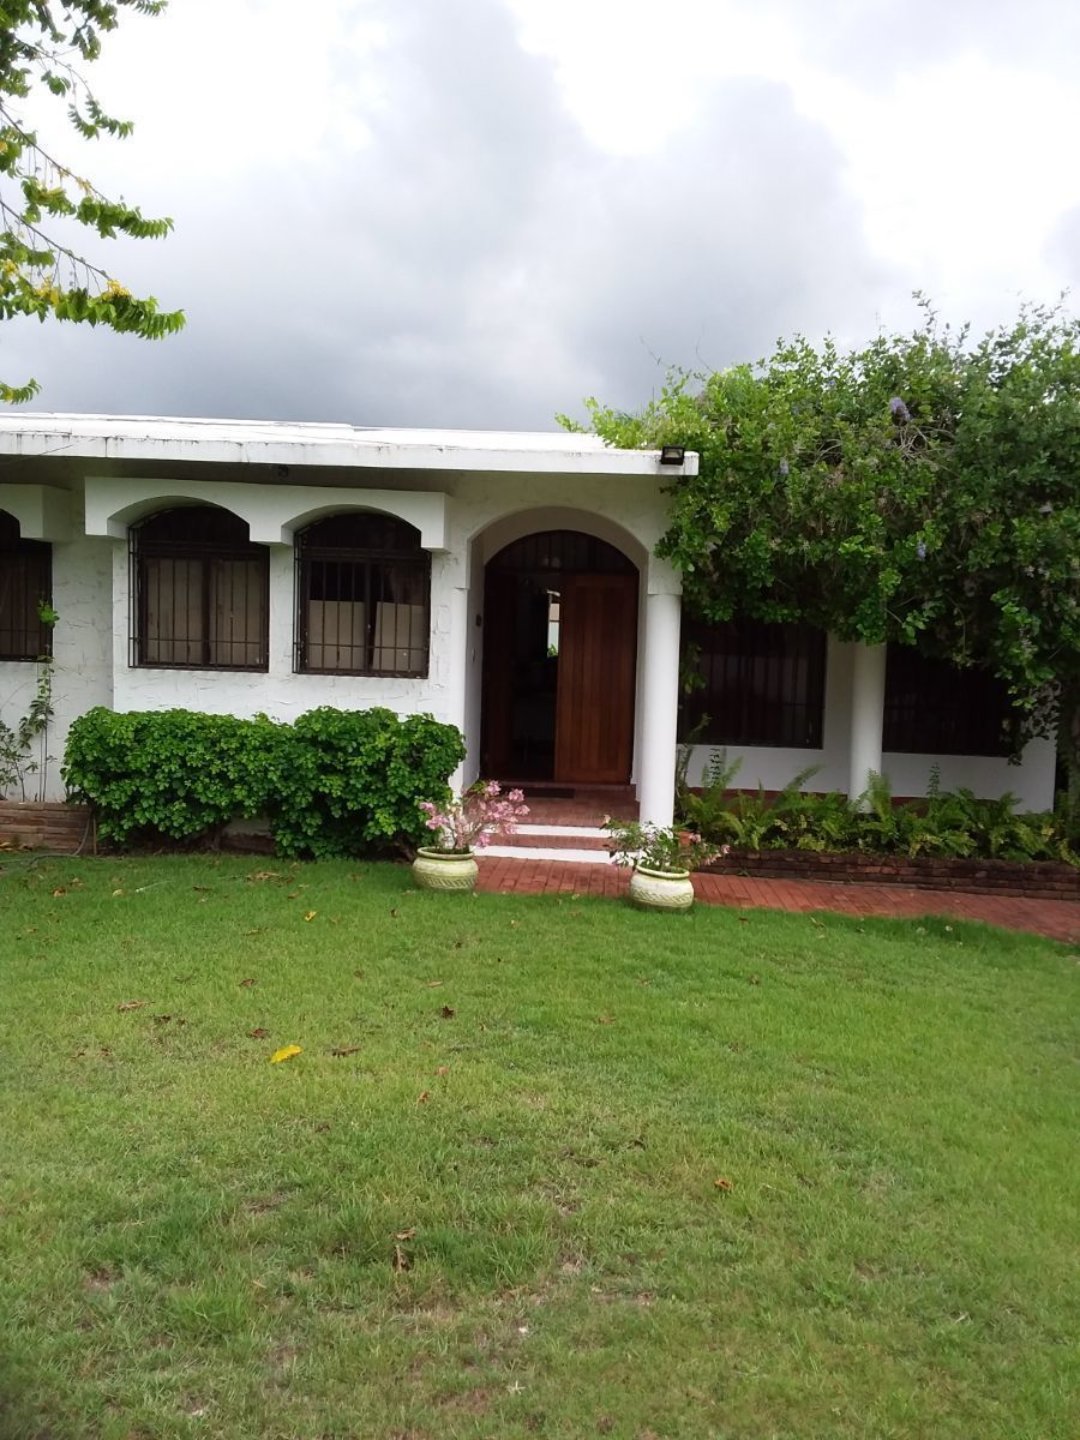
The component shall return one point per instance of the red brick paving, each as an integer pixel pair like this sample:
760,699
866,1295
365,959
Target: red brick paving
1055,919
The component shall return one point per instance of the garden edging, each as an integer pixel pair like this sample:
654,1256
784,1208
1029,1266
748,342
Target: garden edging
1038,879
44,825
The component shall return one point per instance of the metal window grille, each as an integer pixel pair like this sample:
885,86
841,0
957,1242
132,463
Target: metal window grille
934,708
25,584
201,592
761,684
566,552
363,589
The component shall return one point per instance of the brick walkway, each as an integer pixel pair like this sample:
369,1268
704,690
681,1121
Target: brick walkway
1056,919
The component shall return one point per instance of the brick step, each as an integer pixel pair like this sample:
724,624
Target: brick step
565,830
558,837
583,807
566,854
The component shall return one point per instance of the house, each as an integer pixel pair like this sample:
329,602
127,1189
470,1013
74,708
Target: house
507,583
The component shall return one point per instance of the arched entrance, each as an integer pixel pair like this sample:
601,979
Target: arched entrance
560,660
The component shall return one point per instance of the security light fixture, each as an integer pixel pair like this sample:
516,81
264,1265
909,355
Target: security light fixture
672,455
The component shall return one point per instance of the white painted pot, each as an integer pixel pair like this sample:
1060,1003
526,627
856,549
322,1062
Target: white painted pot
661,889
445,870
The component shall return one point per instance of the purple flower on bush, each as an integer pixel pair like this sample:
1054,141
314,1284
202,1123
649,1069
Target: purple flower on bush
920,550
784,469
899,409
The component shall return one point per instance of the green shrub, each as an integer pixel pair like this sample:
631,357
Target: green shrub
955,824
355,780
334,783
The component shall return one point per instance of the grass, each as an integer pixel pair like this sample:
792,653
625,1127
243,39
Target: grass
498,1212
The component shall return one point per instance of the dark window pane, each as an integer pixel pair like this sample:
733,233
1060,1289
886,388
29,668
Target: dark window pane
762,684
25,584
201,591
934,708
363,591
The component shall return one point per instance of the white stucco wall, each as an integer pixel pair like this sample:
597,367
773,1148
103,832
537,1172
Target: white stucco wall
278,691
1032,781
82,647
470,519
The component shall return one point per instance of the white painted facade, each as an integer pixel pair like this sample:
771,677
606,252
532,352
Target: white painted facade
81,481
839,761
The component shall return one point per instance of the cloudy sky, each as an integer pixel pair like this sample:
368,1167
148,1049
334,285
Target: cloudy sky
477,212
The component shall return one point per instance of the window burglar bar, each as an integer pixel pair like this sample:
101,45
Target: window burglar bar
363,588
764,684
25,584
934,708
201,592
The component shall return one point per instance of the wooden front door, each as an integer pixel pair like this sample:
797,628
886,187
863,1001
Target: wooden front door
594,713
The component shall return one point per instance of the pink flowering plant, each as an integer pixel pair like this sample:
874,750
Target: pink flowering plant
652,847
474,818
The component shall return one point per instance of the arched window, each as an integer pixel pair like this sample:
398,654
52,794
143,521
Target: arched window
201,591
363,588
25,585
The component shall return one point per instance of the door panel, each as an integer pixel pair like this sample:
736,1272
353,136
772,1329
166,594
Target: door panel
594,733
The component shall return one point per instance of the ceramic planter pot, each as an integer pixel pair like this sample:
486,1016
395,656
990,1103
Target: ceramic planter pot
445,869
661,889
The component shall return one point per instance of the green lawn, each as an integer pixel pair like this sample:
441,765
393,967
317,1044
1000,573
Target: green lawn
484,1199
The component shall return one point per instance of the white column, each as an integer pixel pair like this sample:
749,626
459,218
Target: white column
867,715
457,666
660,708
282,617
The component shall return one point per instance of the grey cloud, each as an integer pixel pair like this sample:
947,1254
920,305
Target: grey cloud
873,40
480,264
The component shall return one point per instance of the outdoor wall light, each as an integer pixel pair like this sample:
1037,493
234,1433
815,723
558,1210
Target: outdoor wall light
672,455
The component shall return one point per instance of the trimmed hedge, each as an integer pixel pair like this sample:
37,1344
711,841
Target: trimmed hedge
335,783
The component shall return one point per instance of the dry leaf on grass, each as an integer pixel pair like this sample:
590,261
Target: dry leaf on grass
285,1053
247,984
341,1050
259,1033
310,914
409,1234
401,1261
423,1097
131,1005
447,1012
722,1184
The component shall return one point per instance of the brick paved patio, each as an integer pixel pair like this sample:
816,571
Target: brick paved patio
1055,919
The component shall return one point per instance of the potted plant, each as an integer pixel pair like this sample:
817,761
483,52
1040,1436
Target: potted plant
662,860
461,827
